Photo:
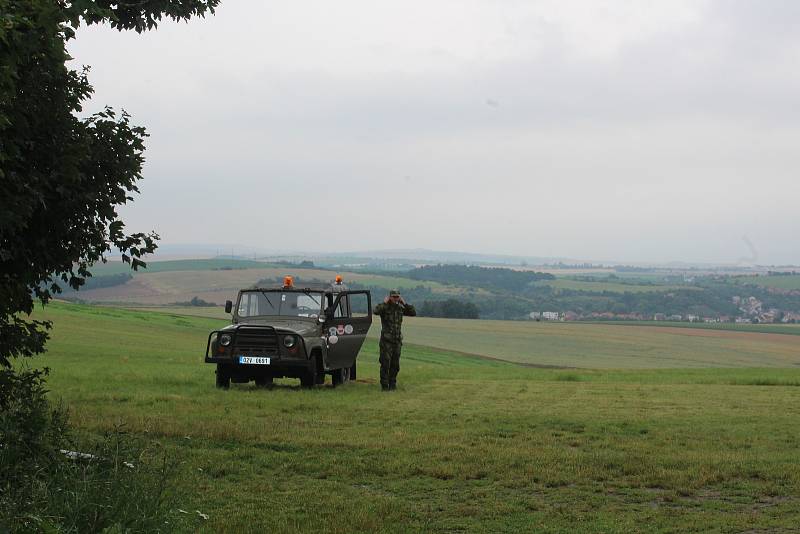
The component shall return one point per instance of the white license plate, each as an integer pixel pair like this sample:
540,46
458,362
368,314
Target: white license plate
254,360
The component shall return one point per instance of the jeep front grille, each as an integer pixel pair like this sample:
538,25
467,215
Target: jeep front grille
255,340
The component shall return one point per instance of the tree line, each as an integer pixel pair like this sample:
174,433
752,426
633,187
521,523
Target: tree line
450,308
102,281
480,277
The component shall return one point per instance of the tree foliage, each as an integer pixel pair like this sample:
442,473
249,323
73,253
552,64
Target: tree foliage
474,276
62,177
450,308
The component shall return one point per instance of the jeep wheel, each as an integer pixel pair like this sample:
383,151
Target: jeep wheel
314,374
309,379
264,381
223,378
340,376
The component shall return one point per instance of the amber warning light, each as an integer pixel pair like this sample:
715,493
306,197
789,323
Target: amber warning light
288,281
338,279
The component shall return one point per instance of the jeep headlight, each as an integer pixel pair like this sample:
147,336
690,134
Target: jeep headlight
225,340
289,341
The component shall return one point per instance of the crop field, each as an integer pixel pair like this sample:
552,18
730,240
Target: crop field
116,267
215,312
167,286
467,444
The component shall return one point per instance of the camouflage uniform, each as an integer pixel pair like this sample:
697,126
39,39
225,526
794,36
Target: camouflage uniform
391,342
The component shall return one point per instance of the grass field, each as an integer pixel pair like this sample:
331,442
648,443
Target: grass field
765,328
215,312
116,267
161,285
605,346
595,345
467,444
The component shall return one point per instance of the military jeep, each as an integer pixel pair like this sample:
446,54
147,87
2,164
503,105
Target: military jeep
287,331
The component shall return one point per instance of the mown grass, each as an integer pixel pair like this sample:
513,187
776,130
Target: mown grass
639,345
606,346
467,444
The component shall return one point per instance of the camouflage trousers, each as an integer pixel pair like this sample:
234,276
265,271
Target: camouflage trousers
390,361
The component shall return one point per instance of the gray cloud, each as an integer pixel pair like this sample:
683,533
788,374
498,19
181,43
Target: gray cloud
625,133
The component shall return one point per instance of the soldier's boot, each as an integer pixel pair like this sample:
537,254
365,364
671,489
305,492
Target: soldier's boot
392,386
384,386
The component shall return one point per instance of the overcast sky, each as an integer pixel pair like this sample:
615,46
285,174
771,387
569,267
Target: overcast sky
626,131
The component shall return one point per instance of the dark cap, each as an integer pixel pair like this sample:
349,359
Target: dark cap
394,292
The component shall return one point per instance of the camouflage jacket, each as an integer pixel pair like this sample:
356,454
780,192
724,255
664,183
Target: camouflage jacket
391,315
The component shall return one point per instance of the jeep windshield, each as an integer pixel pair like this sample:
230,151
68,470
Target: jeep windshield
259,303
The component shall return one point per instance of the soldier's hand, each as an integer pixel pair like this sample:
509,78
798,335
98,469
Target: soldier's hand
386,300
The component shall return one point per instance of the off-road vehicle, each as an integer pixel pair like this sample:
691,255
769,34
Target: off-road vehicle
287,331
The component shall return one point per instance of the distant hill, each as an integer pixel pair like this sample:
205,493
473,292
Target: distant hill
153,266
418,255
411,256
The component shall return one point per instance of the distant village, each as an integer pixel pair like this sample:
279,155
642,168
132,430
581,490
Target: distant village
751,309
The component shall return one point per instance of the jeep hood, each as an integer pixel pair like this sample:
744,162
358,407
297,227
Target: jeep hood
286,326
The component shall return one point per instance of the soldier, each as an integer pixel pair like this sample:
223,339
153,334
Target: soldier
391,312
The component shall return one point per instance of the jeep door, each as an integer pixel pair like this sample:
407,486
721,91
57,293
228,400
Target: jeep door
348,320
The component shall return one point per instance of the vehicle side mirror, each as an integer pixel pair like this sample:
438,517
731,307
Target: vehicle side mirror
228,306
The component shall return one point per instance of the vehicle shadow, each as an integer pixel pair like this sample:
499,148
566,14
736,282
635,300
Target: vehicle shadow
278,386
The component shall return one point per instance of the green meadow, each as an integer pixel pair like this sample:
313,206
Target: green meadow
467,444
116,267
764,328
605,346
612,345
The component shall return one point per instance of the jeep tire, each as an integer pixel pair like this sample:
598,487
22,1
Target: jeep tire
309,377
223,378
353,372
340,376
264,381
